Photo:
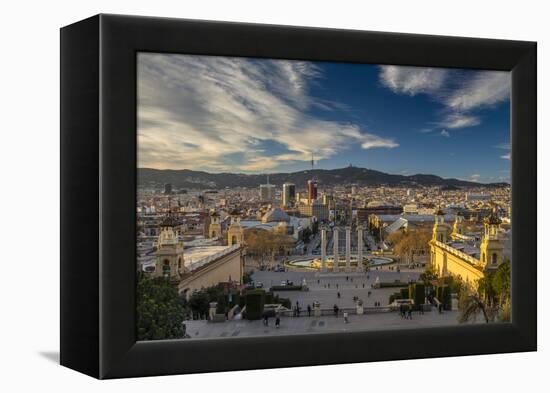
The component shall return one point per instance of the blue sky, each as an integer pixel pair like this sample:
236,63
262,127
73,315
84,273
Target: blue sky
223,114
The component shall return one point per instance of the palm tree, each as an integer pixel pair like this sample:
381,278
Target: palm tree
471,304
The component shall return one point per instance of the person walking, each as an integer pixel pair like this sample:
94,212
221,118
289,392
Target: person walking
308,310
338,294
346,317
277,321
335,310
409,312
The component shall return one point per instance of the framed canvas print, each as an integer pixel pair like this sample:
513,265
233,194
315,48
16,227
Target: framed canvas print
239,196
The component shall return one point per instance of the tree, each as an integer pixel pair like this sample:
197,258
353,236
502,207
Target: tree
408,243
470,305
199,303
261,244
160,310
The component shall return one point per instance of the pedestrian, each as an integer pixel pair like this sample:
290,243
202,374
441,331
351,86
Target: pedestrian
335,310
308,310
345,317
363,285
409,312
336,286
265,320
368,293
338,294
347,278
277,321
318,281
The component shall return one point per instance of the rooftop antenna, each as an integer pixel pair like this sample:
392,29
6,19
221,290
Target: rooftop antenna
312,161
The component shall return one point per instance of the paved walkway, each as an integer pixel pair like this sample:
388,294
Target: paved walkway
324,324
324,288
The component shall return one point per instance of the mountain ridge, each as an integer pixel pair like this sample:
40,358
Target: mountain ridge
186,178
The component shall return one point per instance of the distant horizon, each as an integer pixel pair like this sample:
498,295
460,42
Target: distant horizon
257,116
323,169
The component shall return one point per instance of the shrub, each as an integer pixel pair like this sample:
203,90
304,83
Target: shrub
394,296
269,298
286,288
405,293
255,300
417,293
393,284
285,302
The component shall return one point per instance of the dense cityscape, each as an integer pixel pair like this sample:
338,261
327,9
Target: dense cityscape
267,253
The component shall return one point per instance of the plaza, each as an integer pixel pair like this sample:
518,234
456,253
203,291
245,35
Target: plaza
324,288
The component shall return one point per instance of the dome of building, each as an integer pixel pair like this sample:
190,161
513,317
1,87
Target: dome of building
234,212
275,215
169,221
493,219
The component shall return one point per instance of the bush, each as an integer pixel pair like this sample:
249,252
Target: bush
269,298
285,302
393,284
447,302
255,300
394,296
286,288
159,310
418,294
405,293
221,306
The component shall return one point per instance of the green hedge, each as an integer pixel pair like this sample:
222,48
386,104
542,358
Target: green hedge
255,300
394,296
443,294
285,302
286,288
393,284
418,294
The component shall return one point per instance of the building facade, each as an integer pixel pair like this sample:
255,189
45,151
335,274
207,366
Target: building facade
457,258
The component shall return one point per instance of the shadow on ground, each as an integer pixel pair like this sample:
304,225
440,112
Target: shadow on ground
52,356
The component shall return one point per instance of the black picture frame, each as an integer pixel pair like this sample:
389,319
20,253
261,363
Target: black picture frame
98,186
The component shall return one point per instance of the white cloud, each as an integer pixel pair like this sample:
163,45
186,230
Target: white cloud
219,113
412,80
460,92
485,88
505,146
475,177
459,120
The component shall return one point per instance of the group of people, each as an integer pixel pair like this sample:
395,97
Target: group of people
277,320
405,311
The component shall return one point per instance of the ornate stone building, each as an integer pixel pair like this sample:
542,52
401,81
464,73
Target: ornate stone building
169,256
458,257
214,229
235,234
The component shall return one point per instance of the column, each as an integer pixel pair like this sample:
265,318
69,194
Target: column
323,249
348,249
336,254
360,249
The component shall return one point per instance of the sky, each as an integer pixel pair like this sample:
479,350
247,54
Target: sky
225,114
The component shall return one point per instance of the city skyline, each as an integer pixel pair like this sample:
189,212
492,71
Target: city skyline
219,114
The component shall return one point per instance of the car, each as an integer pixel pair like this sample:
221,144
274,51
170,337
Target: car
283,283
259,284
